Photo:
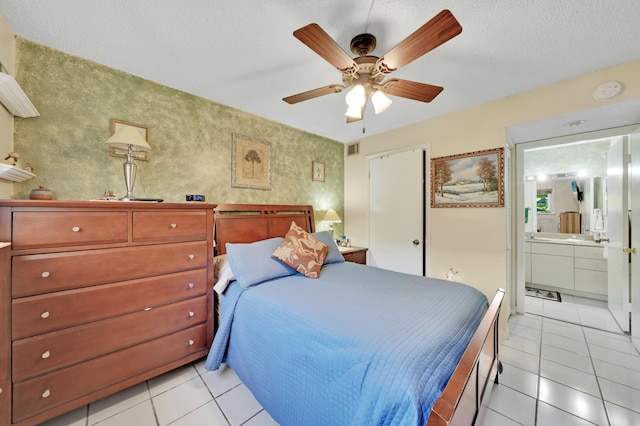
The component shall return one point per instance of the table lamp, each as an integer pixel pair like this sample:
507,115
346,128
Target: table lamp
332,217
129,139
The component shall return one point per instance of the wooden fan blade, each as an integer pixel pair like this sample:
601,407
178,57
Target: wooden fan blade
411,90
304,96
441,28
320,42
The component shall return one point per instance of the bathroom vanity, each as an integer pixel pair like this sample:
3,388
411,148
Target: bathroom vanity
569,265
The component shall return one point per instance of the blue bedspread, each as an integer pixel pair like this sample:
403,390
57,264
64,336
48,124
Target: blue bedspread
357,346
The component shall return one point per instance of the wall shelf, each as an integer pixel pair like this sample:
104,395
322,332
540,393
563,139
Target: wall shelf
14,174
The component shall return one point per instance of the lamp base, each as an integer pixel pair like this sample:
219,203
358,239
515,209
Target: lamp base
129,168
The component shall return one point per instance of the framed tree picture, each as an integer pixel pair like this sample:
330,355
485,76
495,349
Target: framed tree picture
250,163
473,179
317,171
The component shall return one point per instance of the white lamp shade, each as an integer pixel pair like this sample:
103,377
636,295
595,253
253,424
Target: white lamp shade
332,217
354,111
127,136
380,101
14,99
356,97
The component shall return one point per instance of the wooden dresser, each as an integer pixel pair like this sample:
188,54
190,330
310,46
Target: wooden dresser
96,297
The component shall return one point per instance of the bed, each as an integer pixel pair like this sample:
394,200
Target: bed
355,345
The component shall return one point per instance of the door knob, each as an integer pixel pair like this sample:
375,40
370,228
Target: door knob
416,242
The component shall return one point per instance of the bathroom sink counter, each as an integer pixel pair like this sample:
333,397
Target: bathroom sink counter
571,241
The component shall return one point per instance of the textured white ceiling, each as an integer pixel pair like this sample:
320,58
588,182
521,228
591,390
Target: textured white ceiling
243,53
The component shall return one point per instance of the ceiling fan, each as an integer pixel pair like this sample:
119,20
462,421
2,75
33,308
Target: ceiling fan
366,74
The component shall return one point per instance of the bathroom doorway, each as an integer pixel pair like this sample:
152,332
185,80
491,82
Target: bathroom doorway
567,181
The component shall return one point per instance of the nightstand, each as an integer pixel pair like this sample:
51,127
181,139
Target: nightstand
354,254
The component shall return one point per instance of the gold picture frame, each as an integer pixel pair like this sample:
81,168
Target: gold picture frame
317,171
250,163
145,131
474,179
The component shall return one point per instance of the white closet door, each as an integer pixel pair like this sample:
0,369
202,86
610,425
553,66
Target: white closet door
397,212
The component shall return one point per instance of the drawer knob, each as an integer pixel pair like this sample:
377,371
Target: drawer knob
46,354
44,315
173,226
46,393
191,285
45,274
191,342
76,229
192,256
192,314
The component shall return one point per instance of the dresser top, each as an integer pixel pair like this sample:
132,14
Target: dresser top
104,204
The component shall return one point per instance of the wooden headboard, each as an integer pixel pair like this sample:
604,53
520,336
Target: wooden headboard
247,223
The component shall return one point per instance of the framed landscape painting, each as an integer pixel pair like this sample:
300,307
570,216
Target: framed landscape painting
473,179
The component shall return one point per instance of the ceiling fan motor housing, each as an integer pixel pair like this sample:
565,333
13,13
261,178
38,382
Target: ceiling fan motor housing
363,44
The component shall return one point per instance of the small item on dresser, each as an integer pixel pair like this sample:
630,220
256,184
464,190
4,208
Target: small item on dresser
41,193
107,196
194,197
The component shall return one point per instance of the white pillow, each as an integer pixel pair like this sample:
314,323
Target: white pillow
222,273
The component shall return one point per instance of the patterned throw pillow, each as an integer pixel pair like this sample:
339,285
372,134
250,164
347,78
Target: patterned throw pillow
301,251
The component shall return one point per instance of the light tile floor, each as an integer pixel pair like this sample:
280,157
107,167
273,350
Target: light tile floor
187,396
564,364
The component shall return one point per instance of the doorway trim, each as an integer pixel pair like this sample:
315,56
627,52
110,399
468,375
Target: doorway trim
518,237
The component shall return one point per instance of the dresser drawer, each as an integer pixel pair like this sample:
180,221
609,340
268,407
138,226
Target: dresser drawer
55,229
169,226
42,273
35,355
36,395
43,313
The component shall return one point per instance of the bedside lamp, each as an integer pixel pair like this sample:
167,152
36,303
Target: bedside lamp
332,217
129,139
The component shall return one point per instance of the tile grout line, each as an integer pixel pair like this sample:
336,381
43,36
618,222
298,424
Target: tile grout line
215,400
595,373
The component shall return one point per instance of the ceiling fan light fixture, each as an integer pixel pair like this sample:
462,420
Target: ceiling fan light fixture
357,97
354,111
380,101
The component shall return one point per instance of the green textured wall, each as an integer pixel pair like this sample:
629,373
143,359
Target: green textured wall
191,139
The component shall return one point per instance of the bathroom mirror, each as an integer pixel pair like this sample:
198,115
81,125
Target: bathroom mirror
563,185
564,205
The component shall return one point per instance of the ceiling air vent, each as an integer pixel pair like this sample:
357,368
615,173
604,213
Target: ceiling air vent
353,149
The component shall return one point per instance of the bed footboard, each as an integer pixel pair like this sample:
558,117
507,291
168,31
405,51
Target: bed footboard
460,402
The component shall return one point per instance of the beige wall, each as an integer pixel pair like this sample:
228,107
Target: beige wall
473,240
7,54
